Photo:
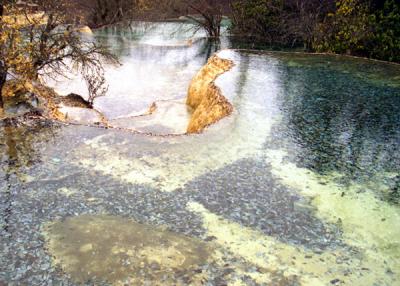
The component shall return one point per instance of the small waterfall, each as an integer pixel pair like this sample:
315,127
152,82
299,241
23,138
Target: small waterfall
158,62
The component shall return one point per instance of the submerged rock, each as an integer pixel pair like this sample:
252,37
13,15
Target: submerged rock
206,98
169,117
118,250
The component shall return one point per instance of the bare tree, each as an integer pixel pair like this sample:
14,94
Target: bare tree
95,82
107,12
302,17
205,14
210,15
46,45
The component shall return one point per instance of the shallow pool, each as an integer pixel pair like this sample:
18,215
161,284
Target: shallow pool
300,186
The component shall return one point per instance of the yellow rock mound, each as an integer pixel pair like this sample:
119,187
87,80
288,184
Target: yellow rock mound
205,98
85,30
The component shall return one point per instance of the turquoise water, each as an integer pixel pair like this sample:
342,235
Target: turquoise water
299,186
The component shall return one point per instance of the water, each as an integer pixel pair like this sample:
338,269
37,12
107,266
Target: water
300,186
168,54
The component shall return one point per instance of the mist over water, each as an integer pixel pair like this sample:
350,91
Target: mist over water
299,186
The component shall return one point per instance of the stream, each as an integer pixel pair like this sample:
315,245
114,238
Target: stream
299,186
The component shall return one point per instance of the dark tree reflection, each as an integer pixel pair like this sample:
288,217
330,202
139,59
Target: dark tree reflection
20,149
341,122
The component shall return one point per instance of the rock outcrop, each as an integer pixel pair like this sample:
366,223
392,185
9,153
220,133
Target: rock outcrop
205,98
78,110
73,100
22,97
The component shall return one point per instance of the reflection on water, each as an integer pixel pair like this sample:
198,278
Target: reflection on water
298,187
19,148
347,125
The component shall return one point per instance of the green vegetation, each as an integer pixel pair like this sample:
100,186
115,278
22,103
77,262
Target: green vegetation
355,27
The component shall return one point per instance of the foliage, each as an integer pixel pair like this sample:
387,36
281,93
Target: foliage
287,23
385,43
357,27
258,18
346,30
